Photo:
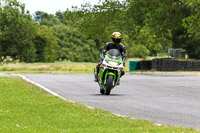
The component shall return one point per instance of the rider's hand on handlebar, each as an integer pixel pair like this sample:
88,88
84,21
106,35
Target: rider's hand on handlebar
102,56
124,64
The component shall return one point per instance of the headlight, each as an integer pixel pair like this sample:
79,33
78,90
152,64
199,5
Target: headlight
113,63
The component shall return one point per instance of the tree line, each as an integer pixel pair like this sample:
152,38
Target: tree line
79,34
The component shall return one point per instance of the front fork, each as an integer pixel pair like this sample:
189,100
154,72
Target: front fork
102,75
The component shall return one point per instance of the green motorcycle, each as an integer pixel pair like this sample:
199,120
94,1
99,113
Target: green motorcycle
110,71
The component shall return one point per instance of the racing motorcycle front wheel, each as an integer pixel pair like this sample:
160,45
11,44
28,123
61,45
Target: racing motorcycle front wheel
109,84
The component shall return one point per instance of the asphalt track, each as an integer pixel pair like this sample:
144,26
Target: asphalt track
164,99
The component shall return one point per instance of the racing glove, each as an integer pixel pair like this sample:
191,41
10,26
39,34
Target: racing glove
102,55
124,60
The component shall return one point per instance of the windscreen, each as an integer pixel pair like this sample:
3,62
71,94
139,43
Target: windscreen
114,54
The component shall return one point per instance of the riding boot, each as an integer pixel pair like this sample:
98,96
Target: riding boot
96,71
95,75
122,74
118,82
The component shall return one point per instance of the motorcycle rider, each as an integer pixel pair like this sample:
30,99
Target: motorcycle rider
115,44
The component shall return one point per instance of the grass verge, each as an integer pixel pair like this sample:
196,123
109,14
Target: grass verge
71,68
57,67
26,108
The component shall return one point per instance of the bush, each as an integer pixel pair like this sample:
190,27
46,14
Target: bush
8,59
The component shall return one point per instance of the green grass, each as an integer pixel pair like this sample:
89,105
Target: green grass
70,68
57,67
25,108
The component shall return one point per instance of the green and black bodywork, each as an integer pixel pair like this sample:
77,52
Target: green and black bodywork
110,71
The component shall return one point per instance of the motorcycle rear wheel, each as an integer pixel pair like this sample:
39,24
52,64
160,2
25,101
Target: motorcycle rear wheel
109,84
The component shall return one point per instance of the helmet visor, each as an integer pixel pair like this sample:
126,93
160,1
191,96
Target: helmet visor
117,40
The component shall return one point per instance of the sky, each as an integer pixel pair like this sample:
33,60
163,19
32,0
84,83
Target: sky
51,6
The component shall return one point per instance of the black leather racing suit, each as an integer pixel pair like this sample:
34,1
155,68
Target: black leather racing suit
107,47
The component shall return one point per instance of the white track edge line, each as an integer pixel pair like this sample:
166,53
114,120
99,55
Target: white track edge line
47,90
55,94
42,87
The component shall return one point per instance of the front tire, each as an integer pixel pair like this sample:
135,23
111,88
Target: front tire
109,84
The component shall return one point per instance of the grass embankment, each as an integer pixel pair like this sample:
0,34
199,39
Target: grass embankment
25,108
72,67
57,67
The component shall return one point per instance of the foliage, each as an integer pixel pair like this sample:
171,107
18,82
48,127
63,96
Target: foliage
45,44
46,19
148,28
73,46
21,37
125,16
17,28
8,59
100,21
140,51
192,24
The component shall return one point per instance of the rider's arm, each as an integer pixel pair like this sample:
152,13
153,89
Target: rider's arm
103,52
123,53
106,47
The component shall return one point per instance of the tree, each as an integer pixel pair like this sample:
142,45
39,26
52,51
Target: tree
192,24
17,29
45,44
44,18
73,46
